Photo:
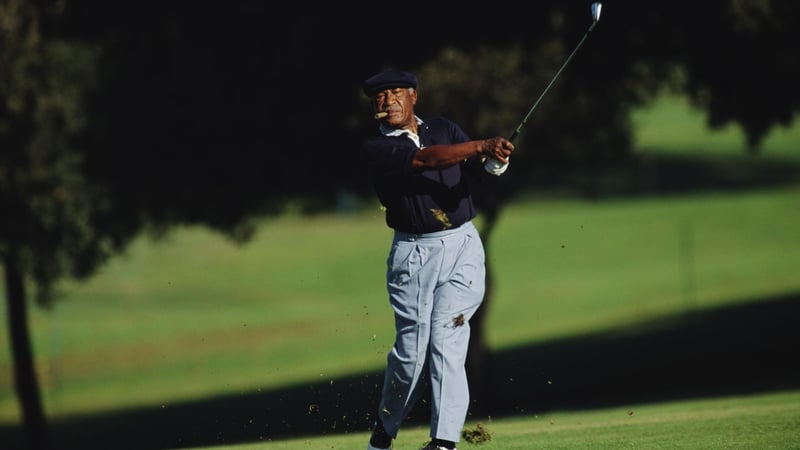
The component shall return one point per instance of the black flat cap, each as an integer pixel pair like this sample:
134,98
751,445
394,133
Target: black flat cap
387,79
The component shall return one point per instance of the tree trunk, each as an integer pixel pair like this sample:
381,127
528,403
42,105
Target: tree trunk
25,381
478,364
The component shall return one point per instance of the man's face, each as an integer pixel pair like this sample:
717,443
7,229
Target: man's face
399,103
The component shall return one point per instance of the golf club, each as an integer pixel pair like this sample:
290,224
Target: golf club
492,164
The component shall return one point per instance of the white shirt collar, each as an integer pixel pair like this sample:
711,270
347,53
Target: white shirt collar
389,131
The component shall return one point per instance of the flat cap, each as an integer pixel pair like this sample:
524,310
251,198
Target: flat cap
387,79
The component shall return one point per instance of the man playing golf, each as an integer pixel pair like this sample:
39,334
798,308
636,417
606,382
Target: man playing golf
435,273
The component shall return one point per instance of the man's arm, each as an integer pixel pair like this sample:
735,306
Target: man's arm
445,155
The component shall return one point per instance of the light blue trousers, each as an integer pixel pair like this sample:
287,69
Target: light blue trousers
436,282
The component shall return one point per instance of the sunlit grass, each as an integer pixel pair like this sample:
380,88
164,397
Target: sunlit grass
764,421
672,124
567,267
196,315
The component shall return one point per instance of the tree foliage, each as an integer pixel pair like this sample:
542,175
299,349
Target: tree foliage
48,206
118,118
748,73
48,225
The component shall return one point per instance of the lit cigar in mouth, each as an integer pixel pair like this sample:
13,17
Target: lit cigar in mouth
381,115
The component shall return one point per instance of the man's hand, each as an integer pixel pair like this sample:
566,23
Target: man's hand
498,148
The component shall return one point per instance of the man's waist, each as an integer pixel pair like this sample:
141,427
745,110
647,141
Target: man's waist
437,222
434,234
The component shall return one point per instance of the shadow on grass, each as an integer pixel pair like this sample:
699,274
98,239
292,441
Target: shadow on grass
748,347
658,173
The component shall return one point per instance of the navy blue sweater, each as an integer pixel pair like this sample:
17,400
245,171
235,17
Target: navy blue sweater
421,201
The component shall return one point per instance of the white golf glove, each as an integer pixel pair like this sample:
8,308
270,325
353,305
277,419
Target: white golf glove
495,167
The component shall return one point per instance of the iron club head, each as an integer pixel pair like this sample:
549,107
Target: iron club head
596,7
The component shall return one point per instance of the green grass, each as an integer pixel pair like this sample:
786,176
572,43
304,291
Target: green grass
764,421
170,320
199,316
196,316
570,266
672,124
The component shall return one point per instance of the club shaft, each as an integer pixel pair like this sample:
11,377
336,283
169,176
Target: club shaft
527,116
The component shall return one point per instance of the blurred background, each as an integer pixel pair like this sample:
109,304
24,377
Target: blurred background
190,245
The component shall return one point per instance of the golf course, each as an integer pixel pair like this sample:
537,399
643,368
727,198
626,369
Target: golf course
662,319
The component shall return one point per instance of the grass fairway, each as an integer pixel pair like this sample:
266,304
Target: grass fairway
765,421
565,267
197,316
194,324
672,125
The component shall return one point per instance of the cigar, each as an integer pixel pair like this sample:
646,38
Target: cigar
381,115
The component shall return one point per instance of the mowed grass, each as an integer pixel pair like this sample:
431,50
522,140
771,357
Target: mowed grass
194,315
672,125
764,421
569,266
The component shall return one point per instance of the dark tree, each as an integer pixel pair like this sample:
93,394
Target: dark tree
48,226
122,118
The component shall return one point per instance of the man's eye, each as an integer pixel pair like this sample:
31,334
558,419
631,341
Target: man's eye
397,92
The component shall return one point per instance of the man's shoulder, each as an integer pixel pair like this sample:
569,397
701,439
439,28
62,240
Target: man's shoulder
439,124
442,126
438,121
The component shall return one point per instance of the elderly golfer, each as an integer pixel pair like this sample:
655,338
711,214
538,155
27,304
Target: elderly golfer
435,273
